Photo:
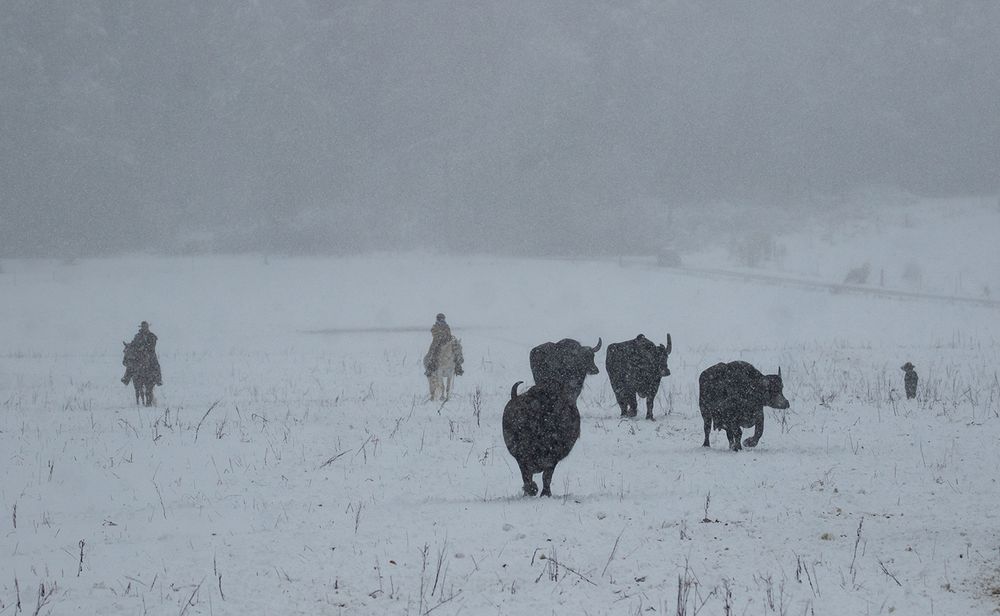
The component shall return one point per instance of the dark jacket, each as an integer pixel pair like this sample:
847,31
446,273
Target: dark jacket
145,341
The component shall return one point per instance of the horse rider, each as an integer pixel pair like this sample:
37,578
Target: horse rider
144,343
440,334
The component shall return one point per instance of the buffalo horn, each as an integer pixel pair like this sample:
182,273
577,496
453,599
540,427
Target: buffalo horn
779,372
598,347
670,344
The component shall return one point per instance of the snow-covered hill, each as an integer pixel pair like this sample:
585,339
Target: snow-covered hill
932,246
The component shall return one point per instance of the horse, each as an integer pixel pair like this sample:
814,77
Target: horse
141,371
448,365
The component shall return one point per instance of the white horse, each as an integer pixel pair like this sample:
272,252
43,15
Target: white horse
449,364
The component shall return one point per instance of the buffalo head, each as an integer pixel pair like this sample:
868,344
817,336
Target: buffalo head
662,353
587,356
773,388
567,362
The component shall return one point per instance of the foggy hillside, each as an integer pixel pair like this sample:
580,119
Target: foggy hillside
510,127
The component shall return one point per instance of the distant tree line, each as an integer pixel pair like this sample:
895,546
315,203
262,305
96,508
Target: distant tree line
514,126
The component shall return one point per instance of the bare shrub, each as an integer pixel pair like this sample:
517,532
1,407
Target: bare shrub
858,275
913,275
476,398
755,248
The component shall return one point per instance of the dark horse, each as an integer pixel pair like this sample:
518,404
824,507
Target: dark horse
141,370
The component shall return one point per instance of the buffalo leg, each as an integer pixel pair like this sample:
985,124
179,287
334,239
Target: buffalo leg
629,407
758,430
649,407
530,487
623,404
547,481
707,418
734,435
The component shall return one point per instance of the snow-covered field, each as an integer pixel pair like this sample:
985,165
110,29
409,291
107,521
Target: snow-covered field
292,466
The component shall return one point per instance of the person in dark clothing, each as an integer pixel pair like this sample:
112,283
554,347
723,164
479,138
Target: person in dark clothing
144,342
910,380
440,334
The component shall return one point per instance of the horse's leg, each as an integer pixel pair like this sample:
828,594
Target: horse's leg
138,389
430,385
447,385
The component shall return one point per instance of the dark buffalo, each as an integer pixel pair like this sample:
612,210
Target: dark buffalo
540,428
566,362
635,367
733,396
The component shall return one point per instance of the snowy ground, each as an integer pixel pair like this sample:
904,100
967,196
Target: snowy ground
321,482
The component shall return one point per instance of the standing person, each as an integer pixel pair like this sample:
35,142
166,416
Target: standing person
910,380
144,343
440,334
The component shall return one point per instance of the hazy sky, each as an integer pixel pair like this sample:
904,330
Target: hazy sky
513,125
